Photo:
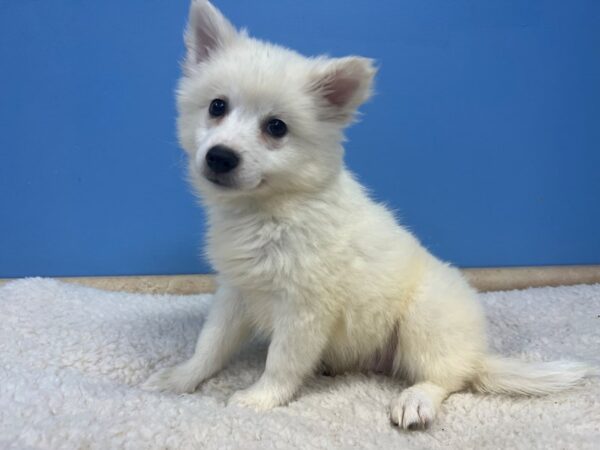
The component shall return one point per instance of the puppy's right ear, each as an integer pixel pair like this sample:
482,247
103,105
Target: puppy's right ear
342,84
207,31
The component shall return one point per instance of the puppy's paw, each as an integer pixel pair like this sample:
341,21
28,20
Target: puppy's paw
413,409
257,398
176,379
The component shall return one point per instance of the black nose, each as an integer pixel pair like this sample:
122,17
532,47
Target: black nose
221,159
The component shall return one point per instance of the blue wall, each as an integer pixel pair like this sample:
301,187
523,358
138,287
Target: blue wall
497,102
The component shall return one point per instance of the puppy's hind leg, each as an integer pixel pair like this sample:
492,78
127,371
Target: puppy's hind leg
416,406
441,341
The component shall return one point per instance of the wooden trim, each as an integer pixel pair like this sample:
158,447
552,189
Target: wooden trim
507,278
484,279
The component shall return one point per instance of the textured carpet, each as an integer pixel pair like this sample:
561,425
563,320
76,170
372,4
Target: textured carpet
71,360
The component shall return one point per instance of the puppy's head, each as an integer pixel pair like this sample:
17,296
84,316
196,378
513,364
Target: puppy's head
257,119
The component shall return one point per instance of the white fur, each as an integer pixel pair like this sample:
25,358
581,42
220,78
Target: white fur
304,256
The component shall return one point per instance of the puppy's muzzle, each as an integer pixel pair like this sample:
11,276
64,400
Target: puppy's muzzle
221,159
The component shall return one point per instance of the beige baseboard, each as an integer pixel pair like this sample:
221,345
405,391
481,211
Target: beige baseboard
507,278
485,279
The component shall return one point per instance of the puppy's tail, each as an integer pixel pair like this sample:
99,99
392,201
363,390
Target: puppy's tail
510,376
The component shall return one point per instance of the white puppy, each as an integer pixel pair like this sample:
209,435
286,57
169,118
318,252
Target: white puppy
303,255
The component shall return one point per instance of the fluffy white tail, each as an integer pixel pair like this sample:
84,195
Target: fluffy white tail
510,376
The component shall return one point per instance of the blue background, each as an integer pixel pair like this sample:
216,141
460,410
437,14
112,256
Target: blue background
484,134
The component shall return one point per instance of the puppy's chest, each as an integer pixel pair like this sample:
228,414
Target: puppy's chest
260,254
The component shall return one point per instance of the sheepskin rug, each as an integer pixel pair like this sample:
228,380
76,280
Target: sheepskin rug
72,359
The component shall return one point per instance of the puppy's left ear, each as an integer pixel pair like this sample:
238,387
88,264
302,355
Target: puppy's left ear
341,86
207,32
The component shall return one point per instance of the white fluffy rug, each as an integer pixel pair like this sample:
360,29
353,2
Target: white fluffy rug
71,360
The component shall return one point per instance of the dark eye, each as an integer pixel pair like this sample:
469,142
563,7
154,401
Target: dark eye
217,108
276,128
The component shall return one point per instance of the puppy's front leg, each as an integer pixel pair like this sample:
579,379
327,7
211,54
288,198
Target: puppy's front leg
298,341
225,329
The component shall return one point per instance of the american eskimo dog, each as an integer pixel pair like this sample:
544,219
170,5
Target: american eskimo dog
304,256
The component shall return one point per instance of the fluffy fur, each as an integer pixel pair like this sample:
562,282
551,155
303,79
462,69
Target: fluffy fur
304,256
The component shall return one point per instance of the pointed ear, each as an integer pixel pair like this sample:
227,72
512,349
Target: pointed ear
342,85
207,31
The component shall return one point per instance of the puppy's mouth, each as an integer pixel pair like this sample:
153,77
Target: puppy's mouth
220,181
227,183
